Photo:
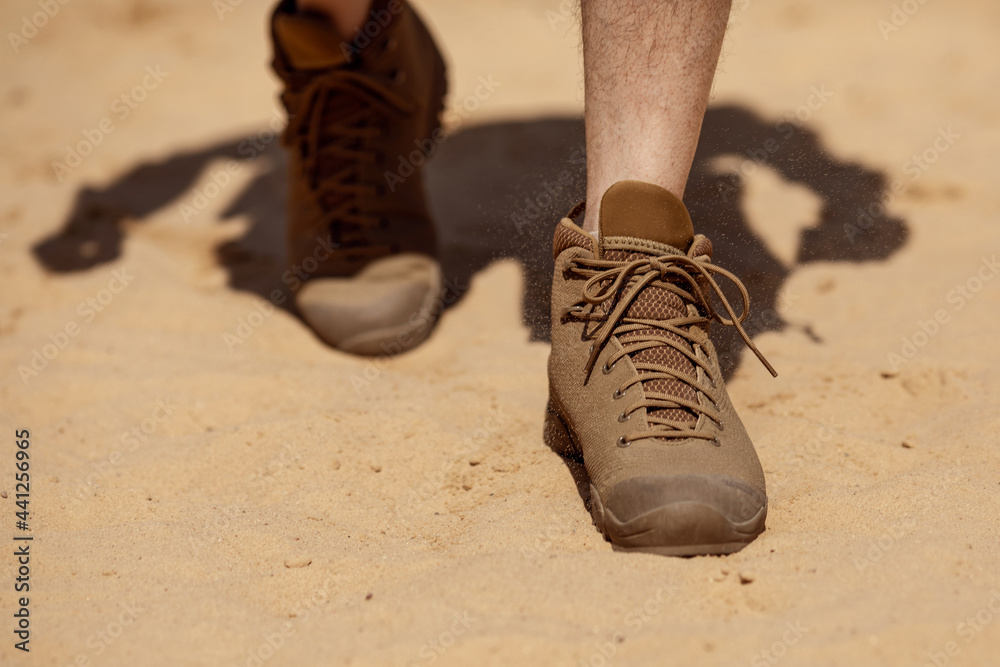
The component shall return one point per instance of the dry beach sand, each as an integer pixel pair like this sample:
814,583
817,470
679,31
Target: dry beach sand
210,485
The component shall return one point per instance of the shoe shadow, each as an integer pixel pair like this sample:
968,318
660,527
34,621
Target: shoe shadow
496,191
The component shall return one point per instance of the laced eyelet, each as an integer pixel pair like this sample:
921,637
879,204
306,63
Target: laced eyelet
622,442
607,369
618,394
716,442
624,417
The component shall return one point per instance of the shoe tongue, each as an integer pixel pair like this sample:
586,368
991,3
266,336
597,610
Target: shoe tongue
642,218
309,41
633,214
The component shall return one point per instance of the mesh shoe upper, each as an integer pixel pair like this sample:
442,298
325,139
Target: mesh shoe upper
633,374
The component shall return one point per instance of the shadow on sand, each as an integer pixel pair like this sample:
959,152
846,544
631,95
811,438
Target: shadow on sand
497,190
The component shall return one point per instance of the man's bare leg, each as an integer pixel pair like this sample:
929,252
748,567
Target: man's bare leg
648,69
635,385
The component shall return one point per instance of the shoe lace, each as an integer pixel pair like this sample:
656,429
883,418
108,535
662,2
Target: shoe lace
680,275
344,111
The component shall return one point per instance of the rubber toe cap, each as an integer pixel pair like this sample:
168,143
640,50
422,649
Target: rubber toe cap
671,514
386,308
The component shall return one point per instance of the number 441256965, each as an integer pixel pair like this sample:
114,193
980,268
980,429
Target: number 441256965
23,477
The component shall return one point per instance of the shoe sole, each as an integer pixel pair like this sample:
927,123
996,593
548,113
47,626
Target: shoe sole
678,529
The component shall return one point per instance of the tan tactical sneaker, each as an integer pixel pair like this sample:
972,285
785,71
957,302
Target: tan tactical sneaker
363,117
634,381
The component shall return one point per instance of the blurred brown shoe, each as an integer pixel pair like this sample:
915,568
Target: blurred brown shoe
363,117
634,381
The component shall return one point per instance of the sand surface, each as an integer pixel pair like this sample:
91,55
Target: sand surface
211,485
